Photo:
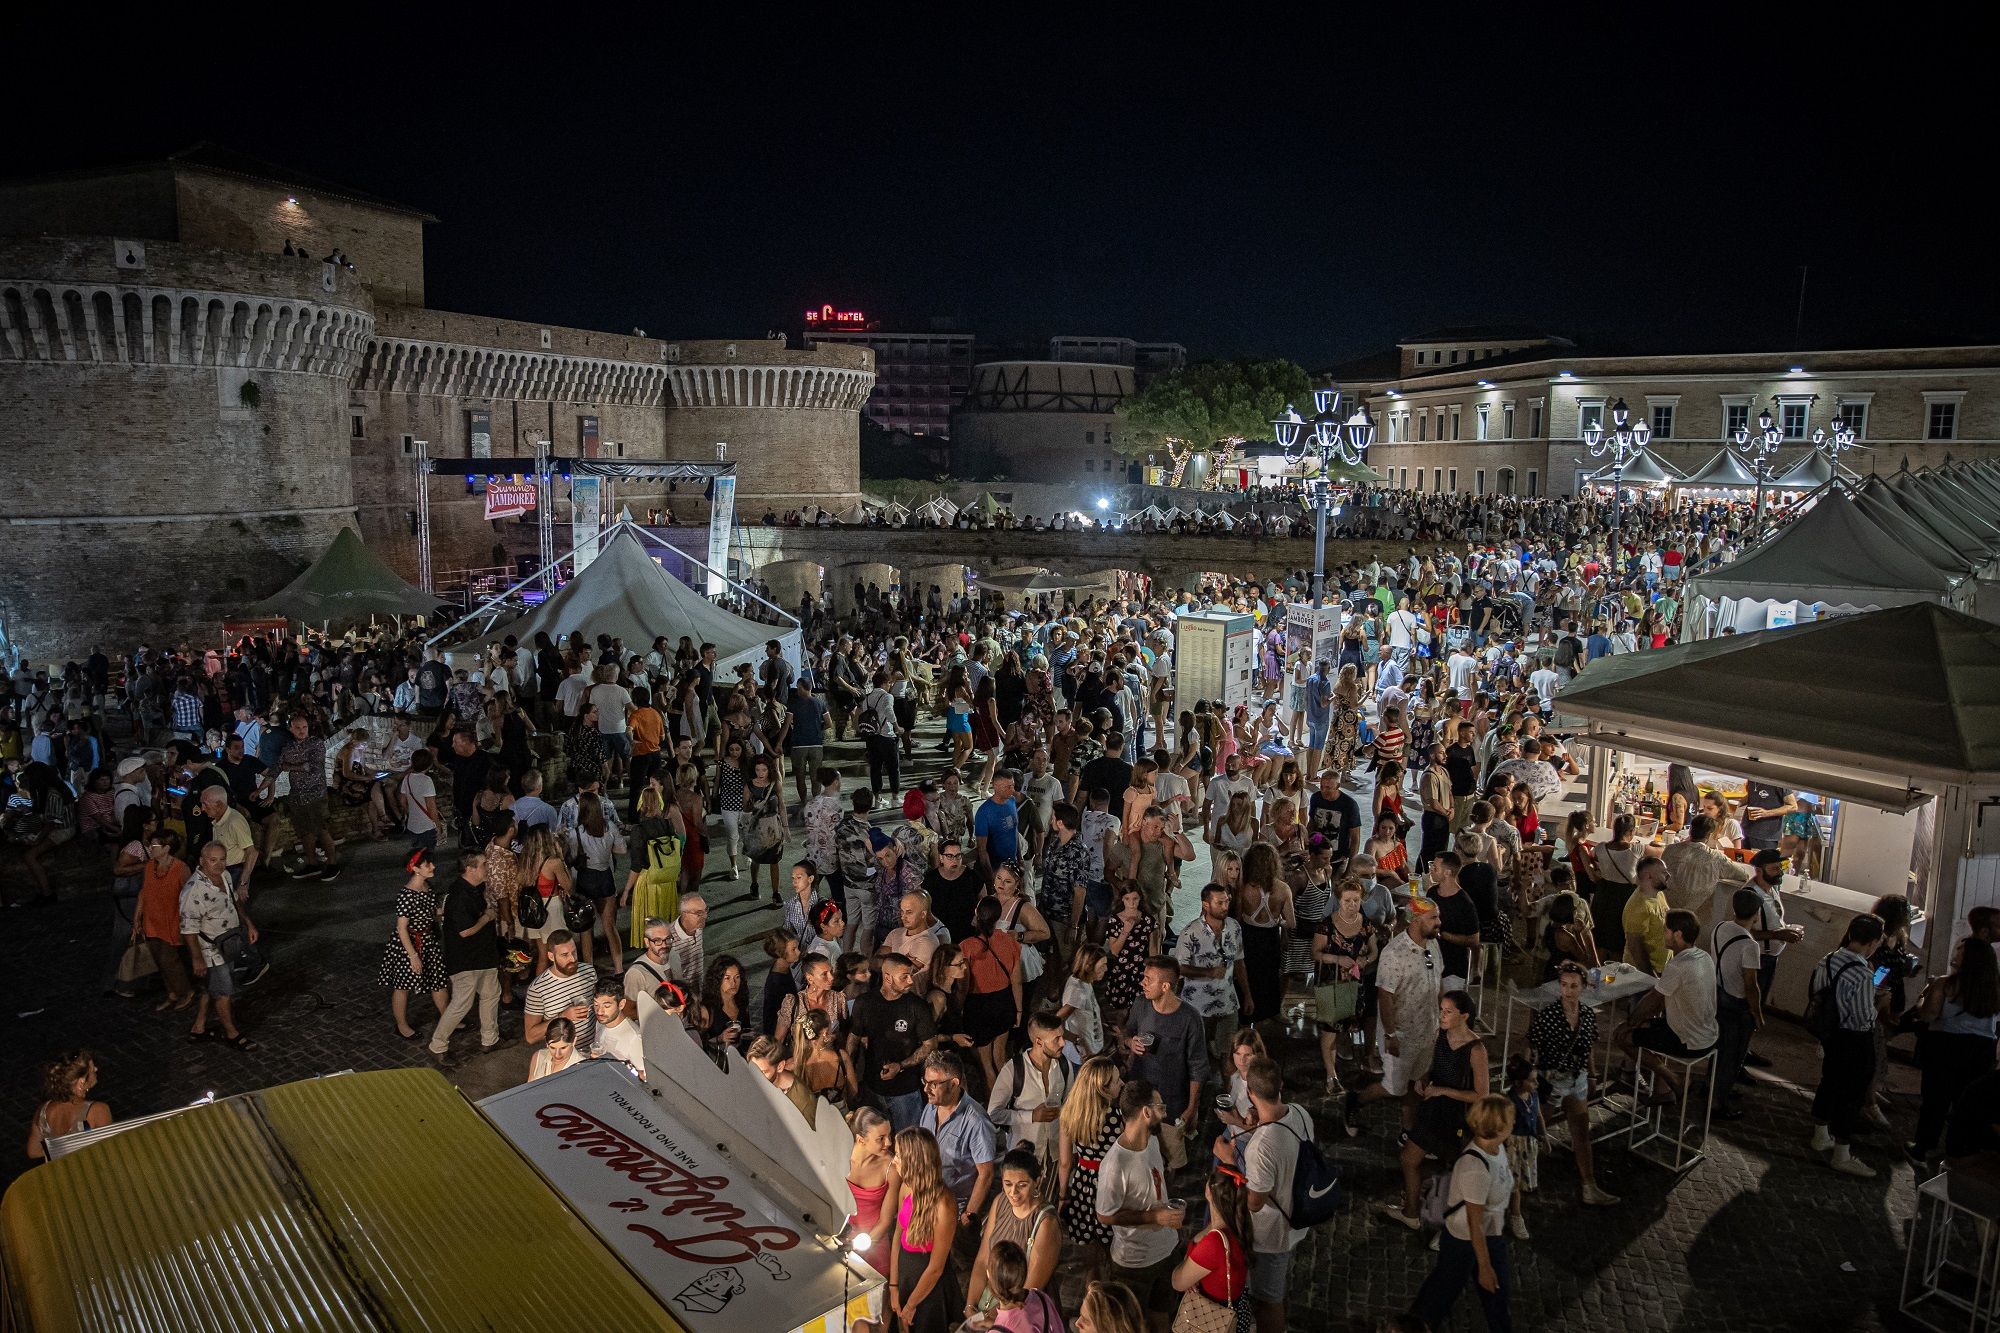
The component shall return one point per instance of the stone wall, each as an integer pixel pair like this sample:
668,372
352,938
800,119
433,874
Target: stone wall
175,435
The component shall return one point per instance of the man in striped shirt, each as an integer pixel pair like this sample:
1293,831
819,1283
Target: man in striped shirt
1847,1046
564,991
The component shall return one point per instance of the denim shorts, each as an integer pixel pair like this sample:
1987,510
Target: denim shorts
1563,1086
1270,1274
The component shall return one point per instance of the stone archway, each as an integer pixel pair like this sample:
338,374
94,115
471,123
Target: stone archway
842,579
791,580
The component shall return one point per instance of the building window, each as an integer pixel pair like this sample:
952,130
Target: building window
1107,465
1420,478
357,425
1454,356
1856,417
1454,423
1534,483
1792,419
1423,425
1506,421
1942,421
1663,421
409,444
1589,415
1481,423
1452,478
1090,465
1090,437
1479,482
1535,420
1437,479
1406,479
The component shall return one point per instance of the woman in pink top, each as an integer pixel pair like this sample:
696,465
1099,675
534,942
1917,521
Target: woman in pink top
871,1175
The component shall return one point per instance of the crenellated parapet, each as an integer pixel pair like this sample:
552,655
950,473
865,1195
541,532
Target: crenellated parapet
409,365
821,388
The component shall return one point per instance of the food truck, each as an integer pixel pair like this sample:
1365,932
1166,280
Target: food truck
696,1200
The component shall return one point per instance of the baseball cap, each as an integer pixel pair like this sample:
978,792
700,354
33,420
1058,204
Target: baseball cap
1769,856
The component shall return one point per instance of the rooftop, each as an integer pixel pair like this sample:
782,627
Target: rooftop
219,161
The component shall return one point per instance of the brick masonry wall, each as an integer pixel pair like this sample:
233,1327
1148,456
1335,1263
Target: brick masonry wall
783,455
386,246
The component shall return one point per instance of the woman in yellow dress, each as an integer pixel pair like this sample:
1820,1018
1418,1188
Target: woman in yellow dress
653,890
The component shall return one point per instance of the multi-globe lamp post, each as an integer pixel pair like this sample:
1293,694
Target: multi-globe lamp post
1624,442
1760,447
1327,438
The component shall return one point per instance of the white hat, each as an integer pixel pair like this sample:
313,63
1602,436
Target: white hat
128,766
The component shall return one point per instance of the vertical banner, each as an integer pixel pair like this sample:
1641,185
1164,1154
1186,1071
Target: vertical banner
721,516
586,437
479,433
586,518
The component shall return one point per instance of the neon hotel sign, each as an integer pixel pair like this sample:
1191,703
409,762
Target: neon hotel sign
826,314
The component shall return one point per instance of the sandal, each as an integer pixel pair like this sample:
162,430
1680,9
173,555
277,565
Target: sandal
240,1042
196,1038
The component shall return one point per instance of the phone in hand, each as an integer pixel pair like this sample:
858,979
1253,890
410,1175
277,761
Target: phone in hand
1881,975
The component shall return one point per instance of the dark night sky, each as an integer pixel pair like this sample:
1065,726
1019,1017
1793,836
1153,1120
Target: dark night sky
1038,173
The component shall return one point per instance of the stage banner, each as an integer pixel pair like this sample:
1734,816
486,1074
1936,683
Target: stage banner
721,516
586,497
479,434
586,437
508,499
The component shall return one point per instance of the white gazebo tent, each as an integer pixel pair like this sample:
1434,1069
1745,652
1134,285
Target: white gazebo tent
1832,560
625,593
1643,471
854,516
894,512
1724,472
938,509
1809,474
1889,709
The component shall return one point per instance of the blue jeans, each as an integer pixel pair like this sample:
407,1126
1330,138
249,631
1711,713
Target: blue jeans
904,1109
1457,1266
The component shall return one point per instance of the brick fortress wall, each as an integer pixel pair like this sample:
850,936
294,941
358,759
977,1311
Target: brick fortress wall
147,497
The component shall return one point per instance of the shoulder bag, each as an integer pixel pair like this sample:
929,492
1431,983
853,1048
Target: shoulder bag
1201,1313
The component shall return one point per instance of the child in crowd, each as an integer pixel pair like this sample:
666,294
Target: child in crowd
1530,1137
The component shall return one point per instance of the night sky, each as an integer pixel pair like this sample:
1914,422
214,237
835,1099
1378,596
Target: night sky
1314,195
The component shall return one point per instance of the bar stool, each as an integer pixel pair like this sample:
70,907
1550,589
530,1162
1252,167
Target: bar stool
1951,1270
1666,1135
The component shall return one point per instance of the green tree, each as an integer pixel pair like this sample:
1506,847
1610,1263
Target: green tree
1215,405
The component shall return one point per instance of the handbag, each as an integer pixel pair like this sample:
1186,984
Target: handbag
766,835
1336,1002
1201,1313
136,963
531,909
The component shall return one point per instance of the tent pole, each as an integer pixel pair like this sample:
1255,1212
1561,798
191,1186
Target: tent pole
423,448
696,561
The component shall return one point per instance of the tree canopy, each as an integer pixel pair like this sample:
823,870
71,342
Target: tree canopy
1209,404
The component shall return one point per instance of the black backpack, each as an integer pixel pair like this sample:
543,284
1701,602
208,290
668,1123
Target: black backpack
1315,1185
1823,1005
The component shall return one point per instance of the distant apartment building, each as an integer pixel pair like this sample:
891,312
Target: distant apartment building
925,375
1147,360
1504,411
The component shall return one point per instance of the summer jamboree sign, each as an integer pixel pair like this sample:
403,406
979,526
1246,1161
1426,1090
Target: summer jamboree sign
505,499
713,1248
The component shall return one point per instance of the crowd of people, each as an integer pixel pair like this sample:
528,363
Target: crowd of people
1048,1036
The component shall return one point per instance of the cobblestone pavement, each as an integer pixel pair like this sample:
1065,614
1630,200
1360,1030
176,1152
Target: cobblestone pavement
1757,1237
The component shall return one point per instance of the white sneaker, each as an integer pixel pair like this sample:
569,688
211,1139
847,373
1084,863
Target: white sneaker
1822,1139
1845,1161
1394,1212
1435,1238
1876,1116
1517,1227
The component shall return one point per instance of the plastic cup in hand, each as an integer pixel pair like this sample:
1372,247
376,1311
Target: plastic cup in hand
1224,1102
1147,1040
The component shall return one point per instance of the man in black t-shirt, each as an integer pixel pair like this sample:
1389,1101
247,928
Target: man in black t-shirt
471,943
1108,771
1458,921
890,1031
1764,811
1334,815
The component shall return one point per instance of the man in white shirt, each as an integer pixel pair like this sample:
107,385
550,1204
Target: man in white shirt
1028,1091
1544,680
1463,669
614,708
1270,1163
420,816
1224,785
617,1035
1407,982
1739,1005
1677,1017
569,694
1402,629
1132,1201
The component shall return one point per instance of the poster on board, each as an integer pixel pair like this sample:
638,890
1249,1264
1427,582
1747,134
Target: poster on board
586,502
721,520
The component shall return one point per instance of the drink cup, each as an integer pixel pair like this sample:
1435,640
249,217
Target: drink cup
1225,1102
1149,1040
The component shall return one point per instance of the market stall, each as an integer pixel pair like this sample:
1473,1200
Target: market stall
1888,715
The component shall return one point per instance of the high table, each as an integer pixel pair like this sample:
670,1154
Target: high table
1610,985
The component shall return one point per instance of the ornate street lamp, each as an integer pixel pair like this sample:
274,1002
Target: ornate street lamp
1760,447
1835,439
1625,441
1327,437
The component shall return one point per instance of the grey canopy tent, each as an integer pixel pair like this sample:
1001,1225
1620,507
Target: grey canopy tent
347,585
1834,557
1809,474
623,592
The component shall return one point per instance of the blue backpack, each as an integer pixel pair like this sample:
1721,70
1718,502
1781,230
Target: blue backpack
1315,1185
